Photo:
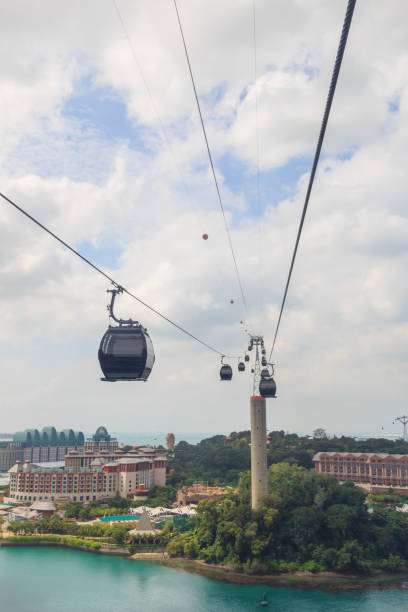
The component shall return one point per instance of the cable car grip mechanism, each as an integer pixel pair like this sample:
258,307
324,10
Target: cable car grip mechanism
129,322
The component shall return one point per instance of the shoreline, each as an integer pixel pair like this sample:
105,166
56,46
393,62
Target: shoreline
327,581
114,552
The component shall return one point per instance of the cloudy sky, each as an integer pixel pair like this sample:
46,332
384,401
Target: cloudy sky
101,141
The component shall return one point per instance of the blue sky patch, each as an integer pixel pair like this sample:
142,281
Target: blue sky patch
96,125
103,110
213,97
106,254
394,104
274,185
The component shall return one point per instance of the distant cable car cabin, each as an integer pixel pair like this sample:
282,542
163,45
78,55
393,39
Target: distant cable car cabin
205,236
225,371
241,366
126,351
246,357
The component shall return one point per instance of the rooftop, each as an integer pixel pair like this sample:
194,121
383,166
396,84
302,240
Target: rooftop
317,456
43,506
48,436
134,459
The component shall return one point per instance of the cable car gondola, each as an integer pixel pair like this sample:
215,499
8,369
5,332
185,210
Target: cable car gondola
126,351
225,371
241,366
246,357
267,387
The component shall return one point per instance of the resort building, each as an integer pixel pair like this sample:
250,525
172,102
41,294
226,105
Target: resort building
102,477
101,441
154,457
48,445
372,471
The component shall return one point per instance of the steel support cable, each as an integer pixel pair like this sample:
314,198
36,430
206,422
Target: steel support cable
258,192
332,88
133,52
211,163
163,131
112,280
261,234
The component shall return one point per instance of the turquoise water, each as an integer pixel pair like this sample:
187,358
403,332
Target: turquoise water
125,517
50,579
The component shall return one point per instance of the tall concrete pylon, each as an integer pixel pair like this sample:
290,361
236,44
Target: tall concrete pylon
259,472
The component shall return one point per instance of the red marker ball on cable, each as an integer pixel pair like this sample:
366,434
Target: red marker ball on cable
205,236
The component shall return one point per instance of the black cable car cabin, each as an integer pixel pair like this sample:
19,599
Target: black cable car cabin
241,366
267,387
225,372
126,351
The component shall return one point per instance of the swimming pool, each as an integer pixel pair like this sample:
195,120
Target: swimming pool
125,517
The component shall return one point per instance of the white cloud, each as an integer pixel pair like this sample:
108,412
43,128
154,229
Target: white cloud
341,357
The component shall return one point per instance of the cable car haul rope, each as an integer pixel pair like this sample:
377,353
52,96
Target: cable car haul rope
332,88
109,278
126,350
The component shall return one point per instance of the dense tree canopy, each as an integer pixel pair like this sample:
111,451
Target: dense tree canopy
306,521
221,459
214,459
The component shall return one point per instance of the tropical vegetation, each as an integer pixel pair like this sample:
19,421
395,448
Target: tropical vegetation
221,459
307,521
48,539
106,534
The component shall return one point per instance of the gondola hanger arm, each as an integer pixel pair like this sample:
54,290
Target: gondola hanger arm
114,292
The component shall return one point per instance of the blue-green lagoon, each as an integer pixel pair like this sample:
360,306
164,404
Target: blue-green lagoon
51,579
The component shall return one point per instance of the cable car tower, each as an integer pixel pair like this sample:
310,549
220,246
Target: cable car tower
404,420
263,381
263,386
